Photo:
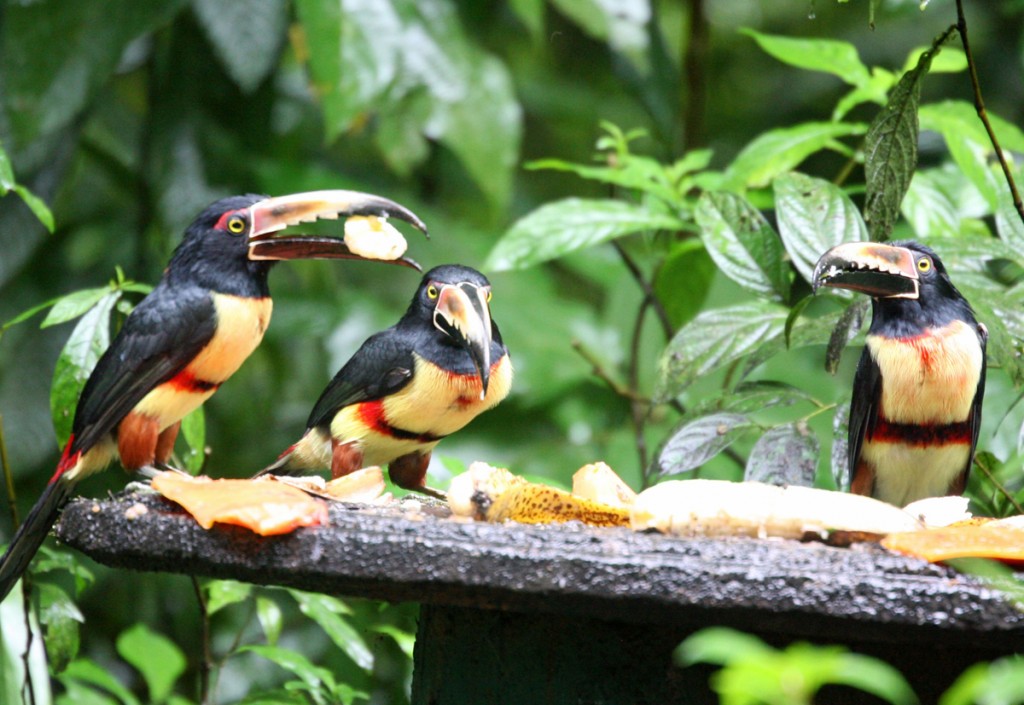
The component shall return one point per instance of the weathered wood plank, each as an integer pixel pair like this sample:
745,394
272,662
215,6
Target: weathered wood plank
768,586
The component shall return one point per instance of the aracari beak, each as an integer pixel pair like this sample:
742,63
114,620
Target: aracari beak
880,271
463,314
272,215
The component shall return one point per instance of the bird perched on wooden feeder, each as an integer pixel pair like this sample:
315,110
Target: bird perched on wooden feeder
409,386
917,393
187,337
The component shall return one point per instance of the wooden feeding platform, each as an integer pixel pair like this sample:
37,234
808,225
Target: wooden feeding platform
567,613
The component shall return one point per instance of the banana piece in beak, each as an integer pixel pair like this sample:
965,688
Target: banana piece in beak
373,237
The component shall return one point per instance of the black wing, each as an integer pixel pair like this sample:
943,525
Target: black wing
381,366
159,338
867,394
979,396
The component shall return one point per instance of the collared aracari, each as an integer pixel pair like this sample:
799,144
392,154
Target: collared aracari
187,337
409,386
917,393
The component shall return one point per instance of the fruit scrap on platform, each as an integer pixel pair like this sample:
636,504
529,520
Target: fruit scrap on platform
999,539
266,508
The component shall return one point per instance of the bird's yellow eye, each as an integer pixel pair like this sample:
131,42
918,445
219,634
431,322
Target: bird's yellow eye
924,264
432,292
236,224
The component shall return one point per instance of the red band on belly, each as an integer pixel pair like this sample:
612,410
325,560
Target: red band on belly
188,382
921,435
371,413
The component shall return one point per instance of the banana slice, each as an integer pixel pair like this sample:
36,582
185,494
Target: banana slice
487,493
373,237
721,508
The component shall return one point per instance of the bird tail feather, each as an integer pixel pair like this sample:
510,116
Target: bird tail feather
31,534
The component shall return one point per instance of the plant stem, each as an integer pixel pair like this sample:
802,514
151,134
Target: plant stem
999,486
12,498
979,106
206,662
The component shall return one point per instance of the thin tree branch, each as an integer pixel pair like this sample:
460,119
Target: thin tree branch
639,411
645,286
601,373
979,106
695,71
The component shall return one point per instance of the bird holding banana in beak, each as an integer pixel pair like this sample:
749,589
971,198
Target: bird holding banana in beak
409,386
918,389
187,337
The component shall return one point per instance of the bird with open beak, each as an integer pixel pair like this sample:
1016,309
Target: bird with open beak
187,337
409,386
918,389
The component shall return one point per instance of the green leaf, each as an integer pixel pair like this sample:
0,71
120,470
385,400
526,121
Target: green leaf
531,14
38,207
953,117
20,632
846,328
71,306
831,56
719,646
406,641
57,559
314,677
622,23
693,443
716,338
354,54
60,616
562,227
874,91
782,150
246,35
221,593
44,90
88,340
814,215
873,676
7,183
951,60
784,455
743,244
749,397
928,208
368,57
683,280
193,430
328,612
269,615
1000,682
483,127
274,697
1008,222
153,655
86,671
890,152
28,313
841,446
632,172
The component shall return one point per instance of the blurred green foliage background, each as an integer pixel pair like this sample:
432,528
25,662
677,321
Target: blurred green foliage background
127,118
